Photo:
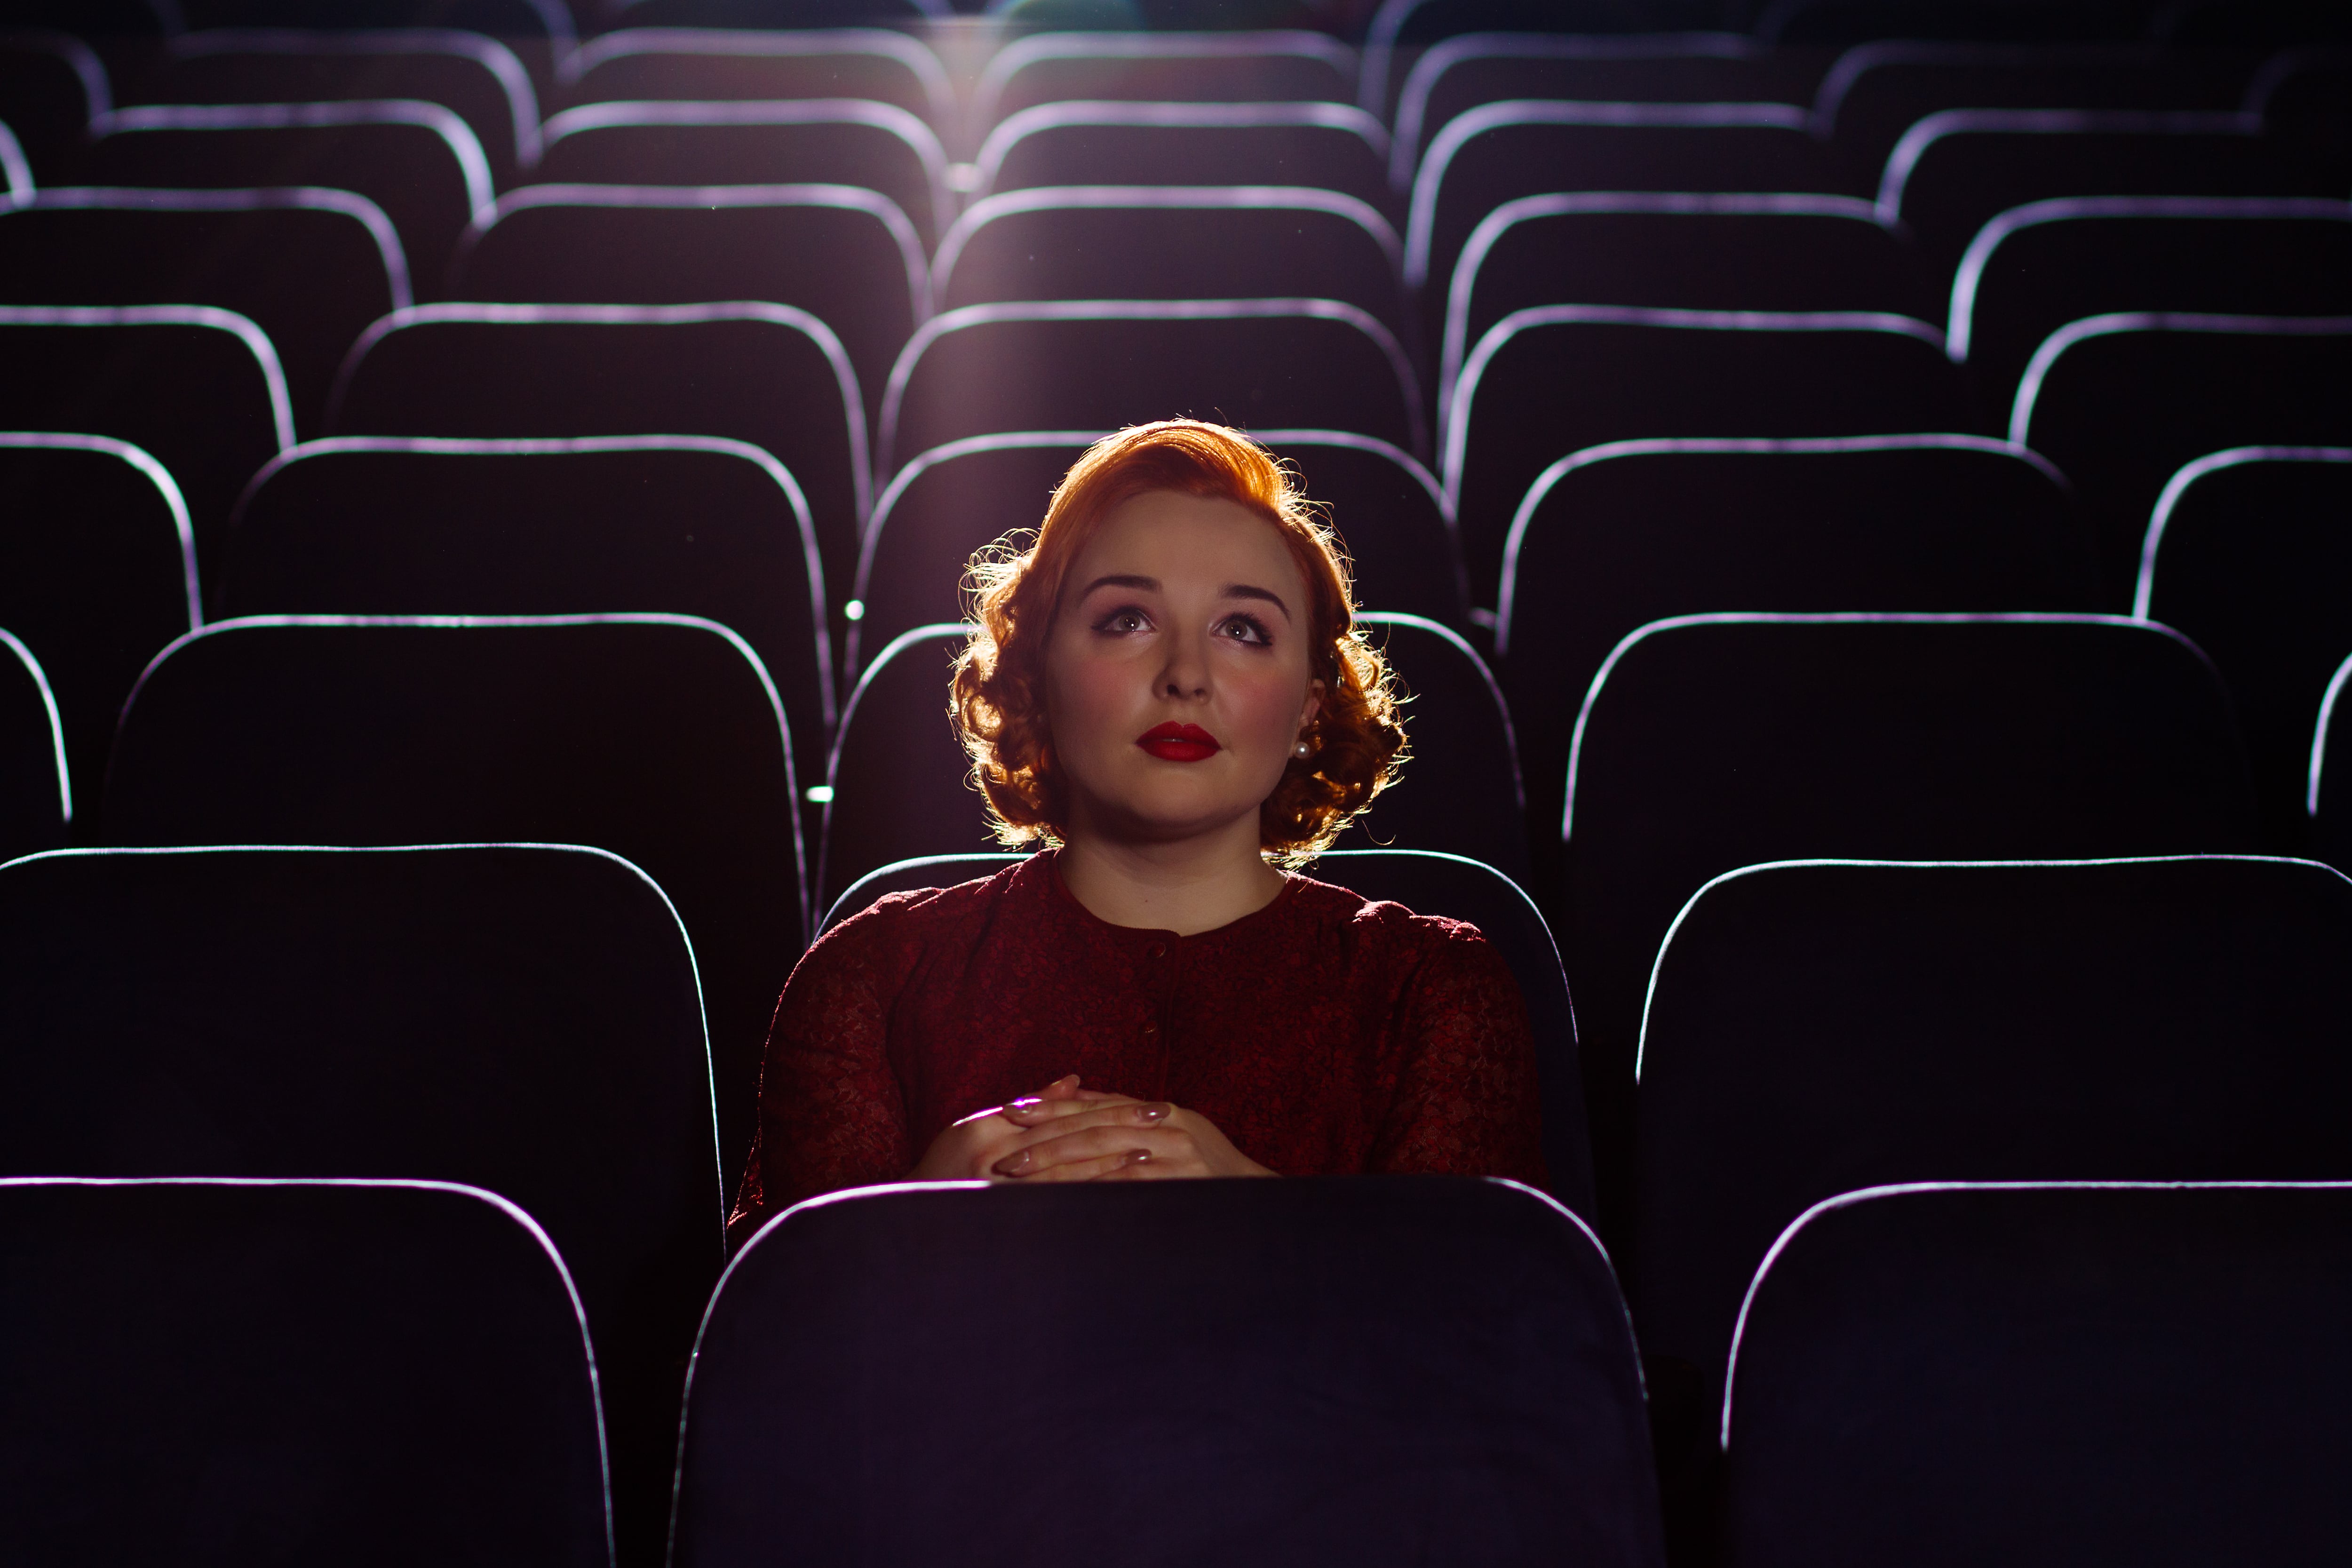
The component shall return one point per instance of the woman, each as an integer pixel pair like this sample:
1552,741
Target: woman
1167,691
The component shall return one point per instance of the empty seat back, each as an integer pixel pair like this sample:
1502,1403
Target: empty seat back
418,162
657,736
211,1372
771,377
199,389
2174,1354
399,525
2247,554
1548,381
1091,143
705,63
311,268
1098,364
1733,251
35,786
1328,1343
1427,883
839,253
474,76
1709,742
51,82
2033,268
1523,147
98,572
1459,73
1202,66
1171,242
1953,172
1620,535
1876,91
2326,797
950,501
774,141
2122,402
1817,1027
521,1018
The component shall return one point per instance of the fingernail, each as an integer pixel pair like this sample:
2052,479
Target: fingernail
1150,1112
1026,1103
1139,1156
1011,1164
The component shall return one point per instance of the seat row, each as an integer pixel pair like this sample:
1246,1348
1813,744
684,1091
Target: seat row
2242,558
1834,1053
2118,399
1858,101
1707,742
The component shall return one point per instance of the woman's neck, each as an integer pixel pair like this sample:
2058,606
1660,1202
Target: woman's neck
1187,887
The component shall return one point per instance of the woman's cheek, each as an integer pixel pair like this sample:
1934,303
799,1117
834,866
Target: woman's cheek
1265,702
1103,693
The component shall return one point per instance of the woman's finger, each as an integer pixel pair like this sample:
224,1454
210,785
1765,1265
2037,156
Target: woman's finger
1076,1169
1047,1113
1140,1166
1118,1130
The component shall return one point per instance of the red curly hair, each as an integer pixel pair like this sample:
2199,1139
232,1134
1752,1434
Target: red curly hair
997,696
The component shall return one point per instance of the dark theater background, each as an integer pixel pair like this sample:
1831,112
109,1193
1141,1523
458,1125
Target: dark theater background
1858,492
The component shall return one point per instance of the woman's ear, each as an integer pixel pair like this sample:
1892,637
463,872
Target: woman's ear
1315,689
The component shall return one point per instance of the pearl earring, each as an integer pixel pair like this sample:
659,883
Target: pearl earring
1302,748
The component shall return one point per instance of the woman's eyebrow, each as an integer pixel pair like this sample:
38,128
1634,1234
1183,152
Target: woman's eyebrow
1122,580
1244,590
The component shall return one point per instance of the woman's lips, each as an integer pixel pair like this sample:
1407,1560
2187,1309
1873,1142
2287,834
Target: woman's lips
1178,744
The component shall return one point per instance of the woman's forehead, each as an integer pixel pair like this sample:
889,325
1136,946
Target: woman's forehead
1187,540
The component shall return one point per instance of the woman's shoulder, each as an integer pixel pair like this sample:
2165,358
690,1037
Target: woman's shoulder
1383,923
923,914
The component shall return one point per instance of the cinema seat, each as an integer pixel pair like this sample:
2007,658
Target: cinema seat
98,572
876,64
395,525
1816,1028
2175,1354
418,162
1335,1378
657,737
310,267
2247,555
770,377
1623,534
2122,402
2033,268
843,255
35,788
1098,364
478,78
1428,883
1709,742
217,1372
198,389
522,1018
1554,380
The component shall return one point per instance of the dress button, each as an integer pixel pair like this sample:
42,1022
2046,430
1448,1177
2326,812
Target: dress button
1157,950
1151,1026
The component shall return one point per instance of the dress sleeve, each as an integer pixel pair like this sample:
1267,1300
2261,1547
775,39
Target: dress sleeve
831,1114
1468,1102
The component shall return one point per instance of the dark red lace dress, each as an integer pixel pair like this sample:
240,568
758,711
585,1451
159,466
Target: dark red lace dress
1323,1035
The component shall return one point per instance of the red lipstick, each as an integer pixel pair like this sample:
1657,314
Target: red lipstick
1178,744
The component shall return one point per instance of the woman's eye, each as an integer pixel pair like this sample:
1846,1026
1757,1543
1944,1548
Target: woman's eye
1129,620
1241,628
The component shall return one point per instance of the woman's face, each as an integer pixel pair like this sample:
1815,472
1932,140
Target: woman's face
1176,676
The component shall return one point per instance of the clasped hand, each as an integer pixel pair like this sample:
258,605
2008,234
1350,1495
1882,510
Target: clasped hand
1068,1133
